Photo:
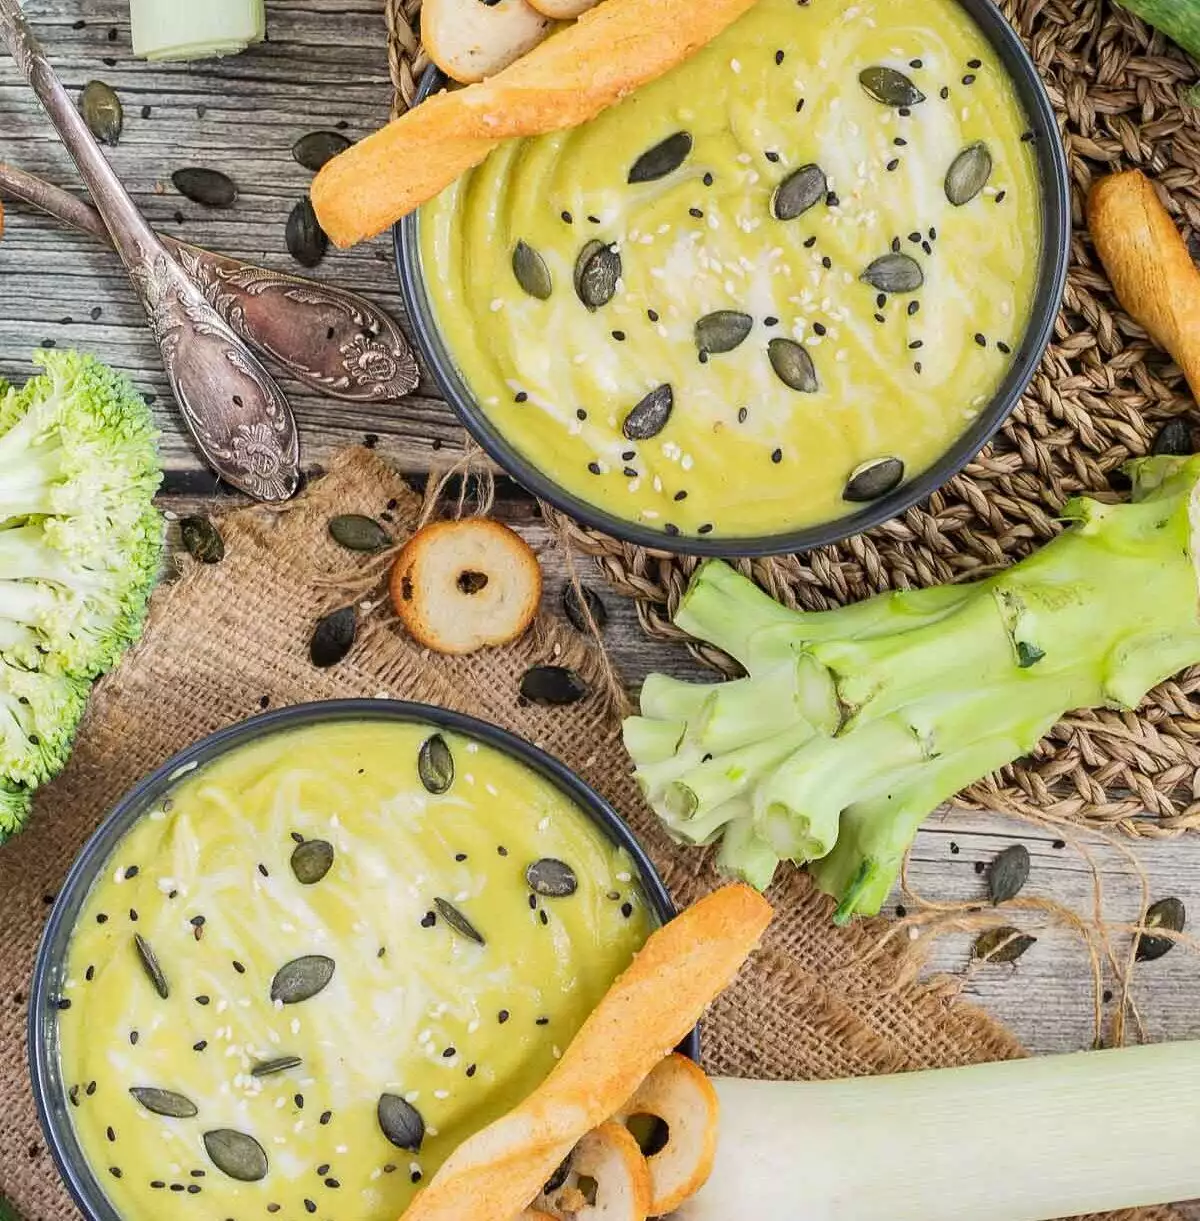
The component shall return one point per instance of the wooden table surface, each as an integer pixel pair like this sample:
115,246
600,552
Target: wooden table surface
325,66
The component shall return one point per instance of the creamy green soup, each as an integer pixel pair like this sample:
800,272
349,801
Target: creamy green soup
340,974
674,352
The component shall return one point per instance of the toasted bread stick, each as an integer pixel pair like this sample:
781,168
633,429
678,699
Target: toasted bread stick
573,76
651,1007
1150,268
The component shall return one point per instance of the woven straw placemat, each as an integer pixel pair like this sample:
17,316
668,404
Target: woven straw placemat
1099,398
229,639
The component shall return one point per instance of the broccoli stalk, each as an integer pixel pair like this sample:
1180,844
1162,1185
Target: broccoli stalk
853,725
80,548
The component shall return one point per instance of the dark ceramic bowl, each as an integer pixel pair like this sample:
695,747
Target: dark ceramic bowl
1056,242
48,1087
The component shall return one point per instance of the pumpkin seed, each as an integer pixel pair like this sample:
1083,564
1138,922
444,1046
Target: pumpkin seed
318,147
435,765
968,173
1175,437
150,965
574,610
890,87
723,330
356,532
458,922
333,637
799,192
873,479
208,187
1008,873
552,879
1002,944
202,540
239,1156
894,273
311,861
663,159
401,1122
164,1102
306,240
102,112
267,1068
793,365
650,416
531,271
1168,914
302,978
555,685
597,271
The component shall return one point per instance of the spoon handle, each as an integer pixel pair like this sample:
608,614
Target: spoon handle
333,341
238,416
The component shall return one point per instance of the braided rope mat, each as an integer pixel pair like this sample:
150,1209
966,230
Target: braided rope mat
1099,398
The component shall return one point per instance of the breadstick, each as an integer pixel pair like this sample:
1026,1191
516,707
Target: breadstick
651,1007
1150,268
573,76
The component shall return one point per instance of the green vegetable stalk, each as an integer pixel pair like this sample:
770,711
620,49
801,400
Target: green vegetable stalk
195,29
853,725
80,547
1178,19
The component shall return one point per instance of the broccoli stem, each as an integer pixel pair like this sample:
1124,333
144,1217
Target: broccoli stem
907,698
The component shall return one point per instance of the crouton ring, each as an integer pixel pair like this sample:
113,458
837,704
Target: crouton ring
459,586
681,1097
608,1180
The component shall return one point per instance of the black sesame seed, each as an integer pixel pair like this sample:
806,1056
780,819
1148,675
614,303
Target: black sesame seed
133,914
819,328
521,397
779,57
944,92
703,357
913,307
449,1053
101,918
133,1038
310,1206
981,340
580,414
707,528
969,79
73,1095
916,366
176,1186
332,1183
771,155
273,1208
708,180
881,301
544,917
626,910
916,343
777,456
915,63
980,867
193,1189
799,105
932,233
594,467
91,1088
595,220
892,165
197,1174
460,857
112,1136
131,872
90,974
927,247
743,412
770,320
501,850
568,218
832,200
681,495
900,142
263,870
1028,136
880,318
652,314
157,1184
810,242
197,922
1001,346
298,1099
542,1021
326,1116
904,112
323,1169
62,1003
202,999
415,1176
115,1171
895,245
974,63
471,1068
915,238
1000,196
698,213
533,902
503,1016
238,967
619,336
1059,844
297,837
827,262
200,1046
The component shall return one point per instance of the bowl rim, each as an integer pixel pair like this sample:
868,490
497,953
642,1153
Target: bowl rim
42,1040
1050,283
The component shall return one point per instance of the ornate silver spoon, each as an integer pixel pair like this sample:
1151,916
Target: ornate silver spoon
237,414
333,341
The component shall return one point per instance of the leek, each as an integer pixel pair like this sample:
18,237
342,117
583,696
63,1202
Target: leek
1020,1140
853,725
195,29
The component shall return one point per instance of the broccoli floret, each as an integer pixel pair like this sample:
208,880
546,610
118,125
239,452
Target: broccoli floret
80,542
80,547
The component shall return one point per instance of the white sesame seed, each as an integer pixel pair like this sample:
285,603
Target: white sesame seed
497,305
441,1094
735,65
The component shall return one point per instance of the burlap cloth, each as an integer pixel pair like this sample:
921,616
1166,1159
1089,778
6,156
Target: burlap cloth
228,639
1099,398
